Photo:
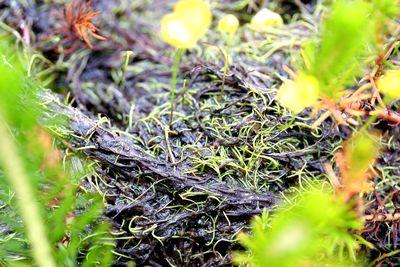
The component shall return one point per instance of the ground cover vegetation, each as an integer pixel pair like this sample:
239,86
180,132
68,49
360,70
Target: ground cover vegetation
199,133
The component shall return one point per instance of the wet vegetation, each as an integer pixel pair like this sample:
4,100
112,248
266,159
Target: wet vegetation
237,144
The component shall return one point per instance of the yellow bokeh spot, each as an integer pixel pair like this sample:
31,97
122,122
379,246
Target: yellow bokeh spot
300,93
228,24
390,84
177,33
265,19
188,22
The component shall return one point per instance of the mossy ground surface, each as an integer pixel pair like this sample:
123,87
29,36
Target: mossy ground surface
180,194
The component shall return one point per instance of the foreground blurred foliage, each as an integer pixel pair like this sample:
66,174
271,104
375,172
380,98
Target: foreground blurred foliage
312,230
44,218
335,59
316,227
348,42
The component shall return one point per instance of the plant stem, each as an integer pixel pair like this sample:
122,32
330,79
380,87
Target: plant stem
226,65
225,71
128,54
30,212
175,69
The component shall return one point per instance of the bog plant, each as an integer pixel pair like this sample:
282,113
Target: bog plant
354,162
79,25
48,222
316,226
299,93
346,46
389,84
13,166
265,20
188,22
312,230
227,25
182,28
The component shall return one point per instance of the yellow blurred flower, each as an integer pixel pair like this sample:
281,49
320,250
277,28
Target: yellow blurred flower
299,93
390,84
265,19
176,32
196,13
228,24
188,22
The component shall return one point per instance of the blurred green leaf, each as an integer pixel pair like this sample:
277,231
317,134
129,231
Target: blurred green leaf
54,186
345,37
313,230
387,8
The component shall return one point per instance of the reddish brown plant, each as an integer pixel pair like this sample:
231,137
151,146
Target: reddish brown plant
80,26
